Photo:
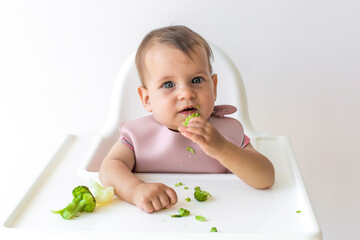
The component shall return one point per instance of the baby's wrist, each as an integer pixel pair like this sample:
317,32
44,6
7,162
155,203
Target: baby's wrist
223,150
136,188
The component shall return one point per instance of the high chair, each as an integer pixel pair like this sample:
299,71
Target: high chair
236,210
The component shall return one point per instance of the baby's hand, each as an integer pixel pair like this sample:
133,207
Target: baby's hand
152,197
205,135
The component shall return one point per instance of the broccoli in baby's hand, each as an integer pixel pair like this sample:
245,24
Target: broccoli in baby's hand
190,117
83,201
201,195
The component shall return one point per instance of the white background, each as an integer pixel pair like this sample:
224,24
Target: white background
300,61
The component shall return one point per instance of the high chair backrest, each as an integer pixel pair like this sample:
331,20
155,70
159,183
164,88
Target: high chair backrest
126,104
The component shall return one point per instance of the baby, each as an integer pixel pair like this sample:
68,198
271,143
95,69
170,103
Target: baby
177,82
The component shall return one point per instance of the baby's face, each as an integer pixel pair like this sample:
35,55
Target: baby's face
175,85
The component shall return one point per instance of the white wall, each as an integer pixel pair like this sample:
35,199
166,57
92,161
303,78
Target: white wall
299,60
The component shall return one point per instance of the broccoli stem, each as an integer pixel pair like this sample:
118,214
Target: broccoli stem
72,209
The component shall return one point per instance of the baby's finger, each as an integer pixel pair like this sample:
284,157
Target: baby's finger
148,207
157,204
197,124
196,138
198,130
172,196
197,119
165,200
195,134
193,127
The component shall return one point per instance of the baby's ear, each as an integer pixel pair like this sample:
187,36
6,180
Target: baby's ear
144,96
215,80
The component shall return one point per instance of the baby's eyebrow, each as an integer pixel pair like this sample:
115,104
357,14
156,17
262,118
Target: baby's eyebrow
201,70
202,73
164,78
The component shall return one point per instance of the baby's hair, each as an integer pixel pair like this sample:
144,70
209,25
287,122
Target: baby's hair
180,37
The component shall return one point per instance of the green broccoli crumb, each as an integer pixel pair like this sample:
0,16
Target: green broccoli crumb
191,150
190,117
201,195
298,211
182,213
188,199
186,188
83,201
197,107
178,184
200,218
213,229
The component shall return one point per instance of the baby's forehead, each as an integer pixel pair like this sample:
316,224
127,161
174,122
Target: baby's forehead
197,53
158,52
196,56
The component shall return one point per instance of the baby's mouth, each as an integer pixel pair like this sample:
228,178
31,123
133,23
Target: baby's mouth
188,110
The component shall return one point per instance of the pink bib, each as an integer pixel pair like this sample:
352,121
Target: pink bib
158,149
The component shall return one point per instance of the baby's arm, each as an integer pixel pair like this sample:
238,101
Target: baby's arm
116,171
251,166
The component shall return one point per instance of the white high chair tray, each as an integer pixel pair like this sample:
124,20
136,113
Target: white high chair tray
235,209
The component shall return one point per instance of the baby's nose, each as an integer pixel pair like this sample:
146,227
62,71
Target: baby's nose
186,93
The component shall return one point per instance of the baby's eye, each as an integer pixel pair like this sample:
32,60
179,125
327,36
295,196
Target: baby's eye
197,80
168,84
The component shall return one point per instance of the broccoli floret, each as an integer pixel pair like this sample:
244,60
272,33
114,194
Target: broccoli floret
182,213
190,117
201,195
102,195
213,229
83,201
200,218
188,199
